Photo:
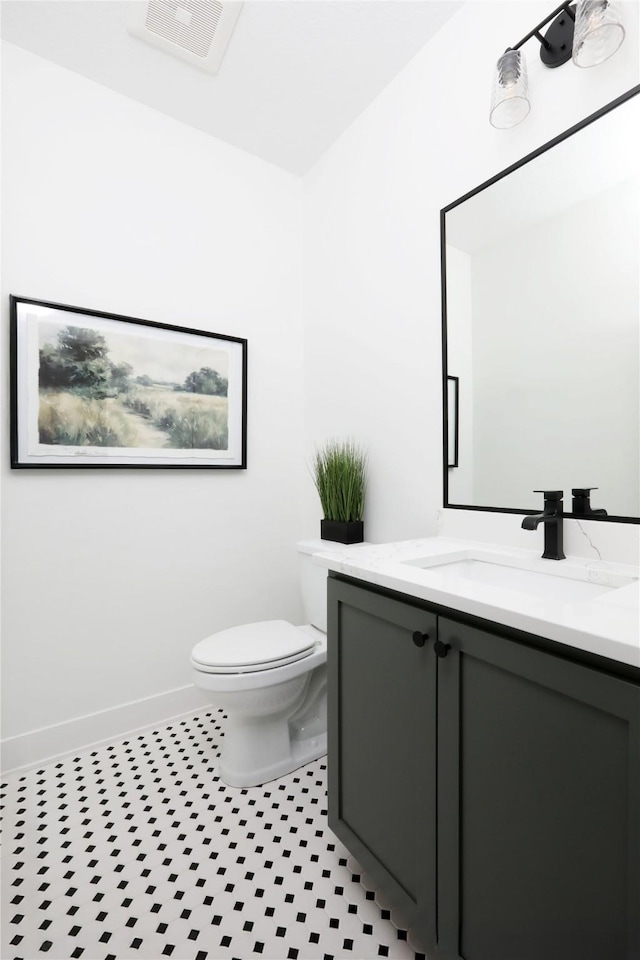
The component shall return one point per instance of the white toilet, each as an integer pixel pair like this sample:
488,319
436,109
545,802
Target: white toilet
270,678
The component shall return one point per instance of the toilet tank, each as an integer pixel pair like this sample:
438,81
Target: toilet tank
313,579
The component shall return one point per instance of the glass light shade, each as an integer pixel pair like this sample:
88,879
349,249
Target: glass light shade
510,95
598,32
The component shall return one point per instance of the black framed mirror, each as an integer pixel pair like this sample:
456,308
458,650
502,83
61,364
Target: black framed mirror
541,325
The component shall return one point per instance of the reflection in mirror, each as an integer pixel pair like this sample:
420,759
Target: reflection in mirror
452,421
542,323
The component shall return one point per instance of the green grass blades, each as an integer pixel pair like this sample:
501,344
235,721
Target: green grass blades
339,473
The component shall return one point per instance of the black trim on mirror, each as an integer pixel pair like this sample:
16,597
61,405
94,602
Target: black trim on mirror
634,91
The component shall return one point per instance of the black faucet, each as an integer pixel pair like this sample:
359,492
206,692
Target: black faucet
552,519
581,504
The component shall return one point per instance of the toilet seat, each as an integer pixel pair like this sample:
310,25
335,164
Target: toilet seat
252,647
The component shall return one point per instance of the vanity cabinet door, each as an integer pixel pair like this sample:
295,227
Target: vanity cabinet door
381,770
538,805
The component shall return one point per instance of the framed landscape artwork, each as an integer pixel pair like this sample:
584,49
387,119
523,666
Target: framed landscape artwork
93,389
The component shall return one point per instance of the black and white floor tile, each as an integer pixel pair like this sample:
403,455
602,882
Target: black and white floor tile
137,849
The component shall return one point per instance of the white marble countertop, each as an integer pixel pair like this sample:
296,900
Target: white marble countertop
607,624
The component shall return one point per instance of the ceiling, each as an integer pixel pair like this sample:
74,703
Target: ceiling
296,73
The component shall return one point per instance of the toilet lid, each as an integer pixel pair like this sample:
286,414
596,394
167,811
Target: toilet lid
251,647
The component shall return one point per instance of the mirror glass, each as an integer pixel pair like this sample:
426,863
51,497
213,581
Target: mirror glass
542,325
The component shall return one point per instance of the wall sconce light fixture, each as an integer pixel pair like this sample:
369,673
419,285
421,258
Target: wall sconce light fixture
589,32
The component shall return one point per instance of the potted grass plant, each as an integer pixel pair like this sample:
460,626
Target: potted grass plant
339,473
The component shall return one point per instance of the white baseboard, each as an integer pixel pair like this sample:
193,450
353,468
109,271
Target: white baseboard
62,739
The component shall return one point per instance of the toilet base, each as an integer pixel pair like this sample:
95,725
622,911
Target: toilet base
237,774
276,718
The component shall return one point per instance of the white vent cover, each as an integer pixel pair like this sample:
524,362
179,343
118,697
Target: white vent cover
194,30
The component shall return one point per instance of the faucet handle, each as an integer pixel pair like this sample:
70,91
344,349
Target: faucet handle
582,491
551,494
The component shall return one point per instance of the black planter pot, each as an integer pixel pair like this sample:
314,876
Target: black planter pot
342,531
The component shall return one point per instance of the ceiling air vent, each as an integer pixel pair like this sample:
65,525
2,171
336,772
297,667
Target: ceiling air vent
197,31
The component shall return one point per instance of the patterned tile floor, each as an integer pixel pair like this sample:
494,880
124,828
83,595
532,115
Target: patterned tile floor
137,849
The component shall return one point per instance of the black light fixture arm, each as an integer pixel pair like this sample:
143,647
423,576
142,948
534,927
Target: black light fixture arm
564,7
556,45
543,40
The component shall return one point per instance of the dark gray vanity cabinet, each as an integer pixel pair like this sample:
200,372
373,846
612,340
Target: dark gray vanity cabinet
538,804
382,759
520,839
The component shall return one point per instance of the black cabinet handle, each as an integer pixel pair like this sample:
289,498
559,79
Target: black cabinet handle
420,638
441,649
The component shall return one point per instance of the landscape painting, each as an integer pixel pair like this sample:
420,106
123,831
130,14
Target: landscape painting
95,389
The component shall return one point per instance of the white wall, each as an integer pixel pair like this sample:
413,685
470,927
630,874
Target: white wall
112,576
373,321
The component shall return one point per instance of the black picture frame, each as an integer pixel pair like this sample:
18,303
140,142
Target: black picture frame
92,389
452,417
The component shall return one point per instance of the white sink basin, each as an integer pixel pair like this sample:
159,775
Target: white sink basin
559,582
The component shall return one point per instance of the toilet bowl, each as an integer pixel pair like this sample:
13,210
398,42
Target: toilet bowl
276,708
270,678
